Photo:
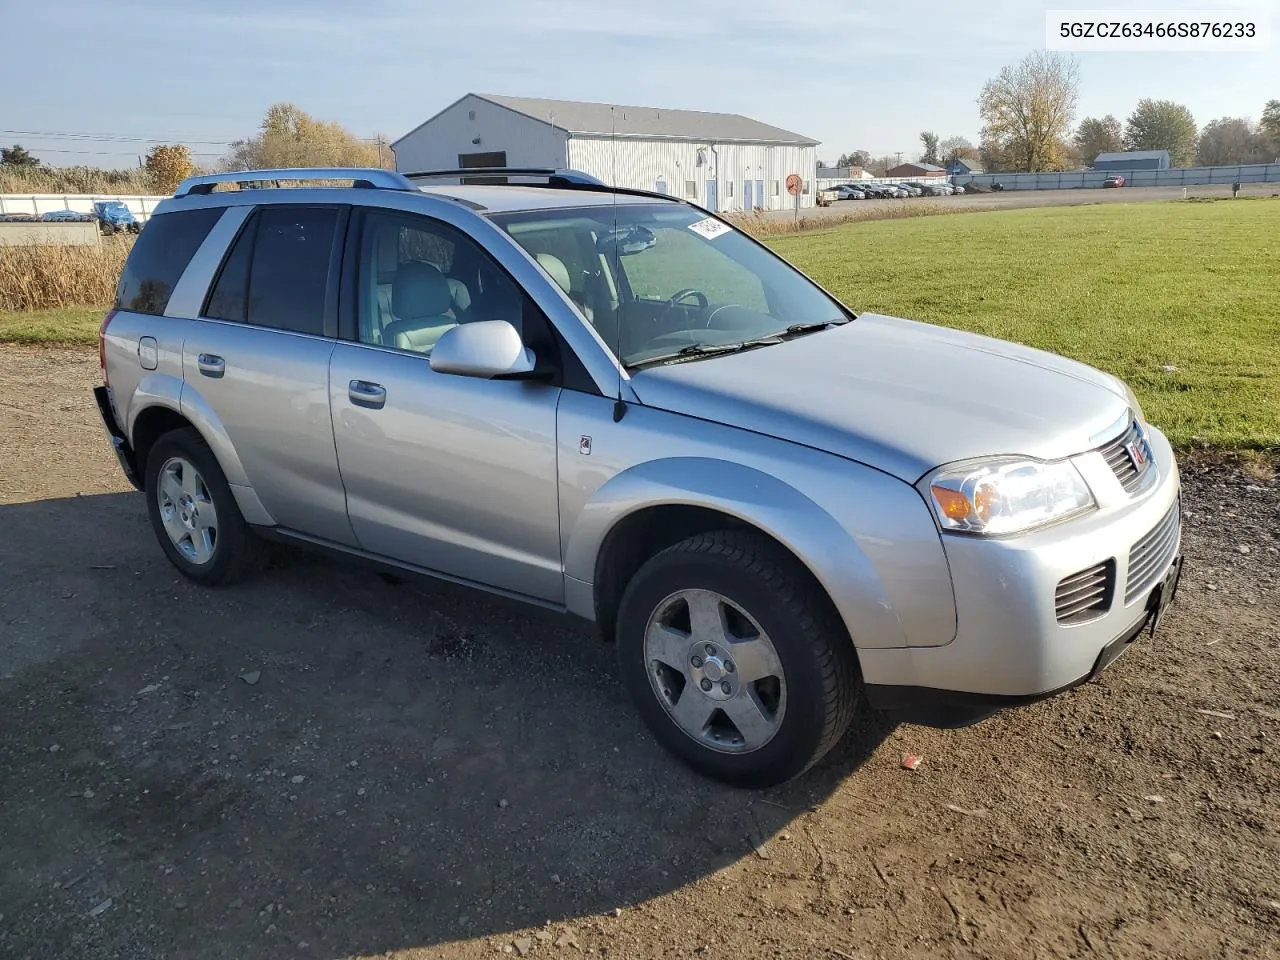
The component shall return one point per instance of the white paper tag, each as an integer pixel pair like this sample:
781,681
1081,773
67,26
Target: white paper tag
710,228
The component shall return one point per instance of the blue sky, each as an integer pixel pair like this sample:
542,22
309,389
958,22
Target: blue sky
852,74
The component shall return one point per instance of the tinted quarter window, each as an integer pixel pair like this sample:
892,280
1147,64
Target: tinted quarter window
289,268
159,257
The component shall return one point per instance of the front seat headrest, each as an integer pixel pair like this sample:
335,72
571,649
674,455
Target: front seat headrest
418,291
556,270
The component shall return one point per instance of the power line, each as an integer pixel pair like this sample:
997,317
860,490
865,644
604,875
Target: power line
110,138
106,153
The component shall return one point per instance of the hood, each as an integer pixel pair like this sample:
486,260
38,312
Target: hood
901,396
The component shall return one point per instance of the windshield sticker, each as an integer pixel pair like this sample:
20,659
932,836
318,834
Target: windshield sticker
710,228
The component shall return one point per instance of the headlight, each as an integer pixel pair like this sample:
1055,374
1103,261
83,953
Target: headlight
997,497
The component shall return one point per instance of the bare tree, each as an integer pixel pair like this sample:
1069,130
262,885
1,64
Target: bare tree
1163,125
929,140
1095,136
953,149
1027,110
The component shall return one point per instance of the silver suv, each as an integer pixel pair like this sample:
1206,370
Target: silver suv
615,404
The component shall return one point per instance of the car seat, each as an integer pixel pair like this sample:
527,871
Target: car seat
421,307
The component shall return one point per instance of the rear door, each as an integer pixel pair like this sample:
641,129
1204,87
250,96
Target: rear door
258,356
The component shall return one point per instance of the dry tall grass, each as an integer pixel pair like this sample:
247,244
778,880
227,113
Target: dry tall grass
129,182
771,225
42,275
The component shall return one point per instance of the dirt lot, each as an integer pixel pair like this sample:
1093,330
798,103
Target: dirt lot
1015,199
322,764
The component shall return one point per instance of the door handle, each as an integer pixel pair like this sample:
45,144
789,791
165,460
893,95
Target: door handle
211,365
365,394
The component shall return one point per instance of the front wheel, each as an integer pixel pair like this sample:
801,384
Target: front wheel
736,659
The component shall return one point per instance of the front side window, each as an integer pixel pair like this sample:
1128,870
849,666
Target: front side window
419,278
656,278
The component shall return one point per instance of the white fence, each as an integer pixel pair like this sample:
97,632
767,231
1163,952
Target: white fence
1176,177
36,204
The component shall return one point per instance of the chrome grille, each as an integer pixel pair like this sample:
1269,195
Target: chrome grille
1150,557
1085,595
1121,460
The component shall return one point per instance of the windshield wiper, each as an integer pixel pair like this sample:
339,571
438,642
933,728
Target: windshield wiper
700,350
796,329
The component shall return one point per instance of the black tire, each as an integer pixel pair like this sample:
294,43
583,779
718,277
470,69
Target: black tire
236,551
817,657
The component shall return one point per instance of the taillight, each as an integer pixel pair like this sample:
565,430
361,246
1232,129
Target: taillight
102,346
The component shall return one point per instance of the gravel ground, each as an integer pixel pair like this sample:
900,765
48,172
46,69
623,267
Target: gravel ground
323,764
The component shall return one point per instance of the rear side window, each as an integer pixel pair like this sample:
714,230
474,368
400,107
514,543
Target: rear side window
160,255
277,272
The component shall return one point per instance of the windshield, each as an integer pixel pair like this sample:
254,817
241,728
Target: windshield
662,278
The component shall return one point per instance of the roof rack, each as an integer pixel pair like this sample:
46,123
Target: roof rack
363,177
555,177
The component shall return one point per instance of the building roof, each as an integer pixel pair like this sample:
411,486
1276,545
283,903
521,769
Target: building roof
926,168
1132,155
583,118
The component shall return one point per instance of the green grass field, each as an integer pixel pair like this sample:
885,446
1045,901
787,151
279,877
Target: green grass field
1129,288
59,326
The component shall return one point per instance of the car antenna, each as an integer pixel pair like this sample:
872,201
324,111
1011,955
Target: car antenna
619,405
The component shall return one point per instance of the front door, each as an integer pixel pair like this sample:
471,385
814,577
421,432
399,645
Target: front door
452,474
760,193
260,364
746,195
711,196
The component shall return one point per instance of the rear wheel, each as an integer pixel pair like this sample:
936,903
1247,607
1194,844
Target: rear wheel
736,659
194,514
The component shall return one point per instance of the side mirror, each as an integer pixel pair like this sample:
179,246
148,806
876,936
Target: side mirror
485,349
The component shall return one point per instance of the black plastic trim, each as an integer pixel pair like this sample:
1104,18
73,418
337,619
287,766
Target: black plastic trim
119,442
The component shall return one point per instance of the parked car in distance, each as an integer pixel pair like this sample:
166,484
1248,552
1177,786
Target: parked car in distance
775,508
912,189
114,216
847,191
67,216
1115,180
930,188
958,187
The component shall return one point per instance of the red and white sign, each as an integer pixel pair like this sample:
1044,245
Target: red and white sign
795,183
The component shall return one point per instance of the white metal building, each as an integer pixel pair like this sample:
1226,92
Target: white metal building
723,161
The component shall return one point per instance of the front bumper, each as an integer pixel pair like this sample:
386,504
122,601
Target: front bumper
119,442
1009,646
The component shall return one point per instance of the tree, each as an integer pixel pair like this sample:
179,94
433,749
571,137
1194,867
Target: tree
1231,140
17,156
168,166
880,166
954,149
1095,136
858,158
1163,125
290,137
929,140
1027,110
1271,125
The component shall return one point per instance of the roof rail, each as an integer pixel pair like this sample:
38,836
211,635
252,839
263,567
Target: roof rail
364,177
555,177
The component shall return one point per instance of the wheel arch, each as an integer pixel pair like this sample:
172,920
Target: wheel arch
651,506
154,412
